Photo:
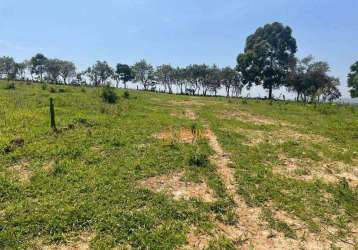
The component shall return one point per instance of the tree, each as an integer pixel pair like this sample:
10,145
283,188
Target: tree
67,70
53,68
143,73
165,75
20,70
99,73
268,56
230,78
353,80
124,74
311,82
7,67
38,65
213,79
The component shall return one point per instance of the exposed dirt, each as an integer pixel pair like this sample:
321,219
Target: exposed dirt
22,170
173,185
190,114
81,242
182,135
308,170
196,240
190,103
248,117
279,136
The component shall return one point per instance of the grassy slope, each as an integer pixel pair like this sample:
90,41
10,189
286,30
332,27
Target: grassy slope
92,184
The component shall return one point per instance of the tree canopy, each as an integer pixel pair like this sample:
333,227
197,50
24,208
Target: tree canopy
353,80
268,56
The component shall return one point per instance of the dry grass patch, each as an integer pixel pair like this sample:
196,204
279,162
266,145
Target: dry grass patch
22,171
81,242
182,135
279,136
173,185
190,103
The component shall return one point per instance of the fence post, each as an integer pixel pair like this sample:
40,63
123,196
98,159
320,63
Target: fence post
52,115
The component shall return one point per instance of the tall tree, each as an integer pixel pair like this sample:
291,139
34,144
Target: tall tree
165,76
7,67
99,73
230,79
20,70
53,68
144,73
38,65
311,82
67,71
353,80
268,56
124,74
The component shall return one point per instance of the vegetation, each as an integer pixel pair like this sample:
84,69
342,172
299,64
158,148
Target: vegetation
56,186
353,80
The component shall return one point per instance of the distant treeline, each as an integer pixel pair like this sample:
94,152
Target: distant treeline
268,60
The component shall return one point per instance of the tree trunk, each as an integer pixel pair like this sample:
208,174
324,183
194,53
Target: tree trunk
270,93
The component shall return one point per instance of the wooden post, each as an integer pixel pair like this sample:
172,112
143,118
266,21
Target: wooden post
52,115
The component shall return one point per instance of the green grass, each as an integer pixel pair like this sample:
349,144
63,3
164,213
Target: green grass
103,150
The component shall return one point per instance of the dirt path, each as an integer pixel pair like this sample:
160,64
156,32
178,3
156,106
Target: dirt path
251,231
250,228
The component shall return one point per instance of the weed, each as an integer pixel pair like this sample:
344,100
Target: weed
109,95
10,86
199,160
126,94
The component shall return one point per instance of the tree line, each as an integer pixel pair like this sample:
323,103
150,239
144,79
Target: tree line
268,60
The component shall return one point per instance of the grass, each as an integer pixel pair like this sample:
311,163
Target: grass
91,185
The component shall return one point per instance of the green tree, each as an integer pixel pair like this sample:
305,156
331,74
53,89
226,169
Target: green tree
37,65
143,72
353,80
99,73
53,68
123,73
7,67
165,75
67,71
268,56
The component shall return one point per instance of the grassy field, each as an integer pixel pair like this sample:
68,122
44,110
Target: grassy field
157,171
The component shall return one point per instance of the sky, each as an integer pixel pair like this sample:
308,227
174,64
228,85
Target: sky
179,32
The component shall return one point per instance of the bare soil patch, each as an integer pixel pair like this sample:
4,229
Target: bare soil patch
308,170
249,117
173,185
22,170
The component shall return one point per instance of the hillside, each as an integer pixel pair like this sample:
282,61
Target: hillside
160,171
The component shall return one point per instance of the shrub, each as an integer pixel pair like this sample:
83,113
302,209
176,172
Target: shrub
10,86
109,95
126,94
61,90
52,90
199,160
44,86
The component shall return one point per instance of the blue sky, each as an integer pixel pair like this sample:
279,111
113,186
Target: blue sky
178,32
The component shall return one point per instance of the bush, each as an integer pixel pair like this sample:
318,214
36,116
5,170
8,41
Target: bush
126,94
52,90
199,160
61,90
10,86
44,86
109,95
